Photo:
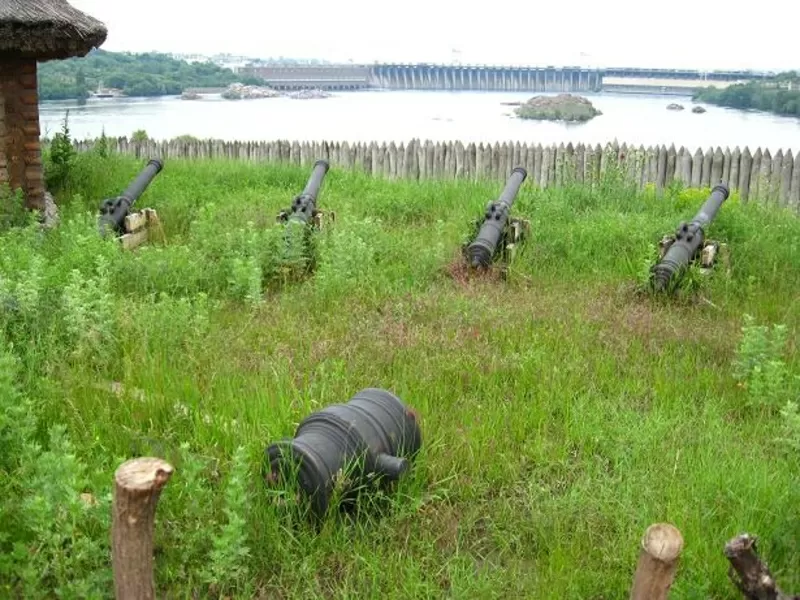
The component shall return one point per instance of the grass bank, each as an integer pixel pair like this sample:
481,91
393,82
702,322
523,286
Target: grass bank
562,412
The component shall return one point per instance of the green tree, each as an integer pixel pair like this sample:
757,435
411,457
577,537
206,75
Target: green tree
147,74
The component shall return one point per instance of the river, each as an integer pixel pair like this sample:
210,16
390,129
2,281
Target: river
402,115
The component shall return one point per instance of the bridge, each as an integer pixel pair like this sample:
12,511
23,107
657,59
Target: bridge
427,76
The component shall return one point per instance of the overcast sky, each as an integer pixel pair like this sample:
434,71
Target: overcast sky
673,33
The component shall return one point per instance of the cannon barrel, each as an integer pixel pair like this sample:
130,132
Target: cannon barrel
304,206
372,436
481,250
114,210
689,239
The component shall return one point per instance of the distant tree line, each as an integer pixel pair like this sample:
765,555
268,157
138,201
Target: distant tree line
147,74
779,95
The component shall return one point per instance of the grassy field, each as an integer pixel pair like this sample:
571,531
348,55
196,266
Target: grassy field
563,410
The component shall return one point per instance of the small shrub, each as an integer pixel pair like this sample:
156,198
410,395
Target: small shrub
759,366
791,425
140,135
13,212
102,148
61,159
52,530
229,555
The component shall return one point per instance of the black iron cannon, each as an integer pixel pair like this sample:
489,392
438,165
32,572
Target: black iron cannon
688,242
114,210
302,221
371,438
493,232
304,206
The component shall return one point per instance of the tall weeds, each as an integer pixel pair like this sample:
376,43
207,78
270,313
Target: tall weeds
562,412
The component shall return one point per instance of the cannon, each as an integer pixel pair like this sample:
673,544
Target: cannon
497,234
371,439
688,242
302,220
304,206
113,211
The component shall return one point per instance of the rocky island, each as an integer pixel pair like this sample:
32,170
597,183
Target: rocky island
239,91
674,106
563,107
698,110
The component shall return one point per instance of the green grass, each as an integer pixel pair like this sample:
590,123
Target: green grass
563,411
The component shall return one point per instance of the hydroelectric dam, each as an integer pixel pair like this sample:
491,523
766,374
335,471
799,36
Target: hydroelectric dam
494,78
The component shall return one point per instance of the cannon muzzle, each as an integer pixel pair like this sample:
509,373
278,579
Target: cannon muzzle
114,210
483,248
689,240
373,436
304,206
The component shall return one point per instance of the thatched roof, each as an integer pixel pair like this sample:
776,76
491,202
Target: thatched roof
47,29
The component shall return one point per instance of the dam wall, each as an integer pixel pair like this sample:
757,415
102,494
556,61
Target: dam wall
507,79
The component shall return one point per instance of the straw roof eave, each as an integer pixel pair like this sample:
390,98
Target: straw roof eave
47,30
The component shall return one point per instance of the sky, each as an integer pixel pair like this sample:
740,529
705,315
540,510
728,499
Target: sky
700,34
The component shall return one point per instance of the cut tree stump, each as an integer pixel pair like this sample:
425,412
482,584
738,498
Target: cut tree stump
658,561
137,488
749,574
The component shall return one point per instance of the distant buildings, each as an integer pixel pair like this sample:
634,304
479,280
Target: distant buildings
236,62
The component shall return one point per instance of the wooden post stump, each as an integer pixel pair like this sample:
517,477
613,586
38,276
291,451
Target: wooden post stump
749,574
658,561
137,488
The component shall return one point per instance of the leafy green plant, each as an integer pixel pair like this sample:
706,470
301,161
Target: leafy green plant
791,425
140,135
61,159
13,212
50,524
759,364
227,569
103,147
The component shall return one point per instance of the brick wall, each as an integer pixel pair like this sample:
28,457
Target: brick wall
19,130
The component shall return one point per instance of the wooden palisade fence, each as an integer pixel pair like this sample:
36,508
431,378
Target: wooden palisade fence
760,176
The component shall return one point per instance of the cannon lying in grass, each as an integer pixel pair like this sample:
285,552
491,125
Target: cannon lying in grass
498,234
370,439
302,219
116,217
304,206
688,244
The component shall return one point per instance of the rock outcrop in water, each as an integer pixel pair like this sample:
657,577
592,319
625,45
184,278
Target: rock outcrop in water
674,106
239,91
190,96
563,107
698,109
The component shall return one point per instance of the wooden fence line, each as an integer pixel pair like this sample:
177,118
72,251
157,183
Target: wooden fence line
759,176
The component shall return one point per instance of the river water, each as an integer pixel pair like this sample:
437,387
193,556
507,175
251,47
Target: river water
438,116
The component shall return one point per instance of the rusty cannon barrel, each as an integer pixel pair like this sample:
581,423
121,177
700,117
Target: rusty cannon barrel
304,205
372,437
482,249
689,240
114,210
